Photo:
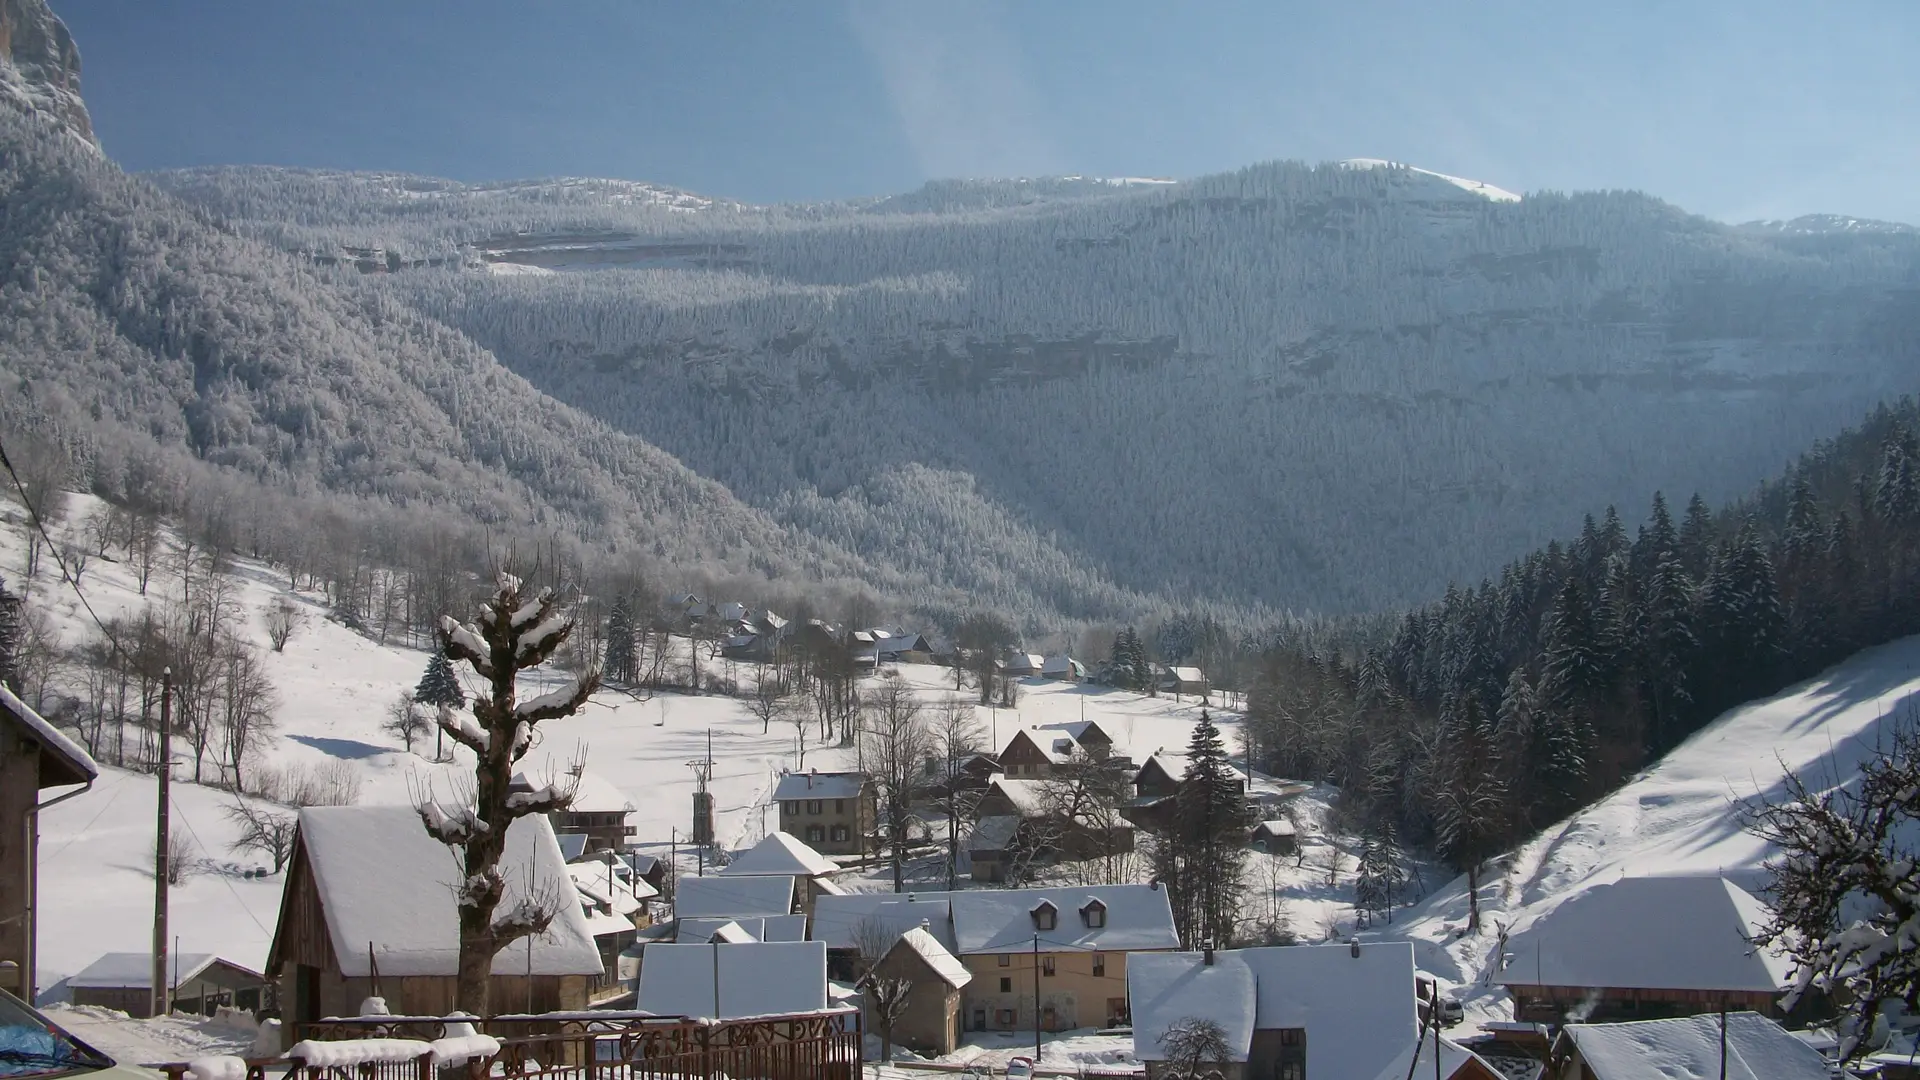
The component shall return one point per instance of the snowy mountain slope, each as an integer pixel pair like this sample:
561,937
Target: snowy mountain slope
1680,816
334,687
1335,385
1478,187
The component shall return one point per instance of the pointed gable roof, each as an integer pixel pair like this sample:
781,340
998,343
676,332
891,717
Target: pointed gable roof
944,964
780,854
385,885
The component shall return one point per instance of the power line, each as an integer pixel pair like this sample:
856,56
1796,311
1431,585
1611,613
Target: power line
40,526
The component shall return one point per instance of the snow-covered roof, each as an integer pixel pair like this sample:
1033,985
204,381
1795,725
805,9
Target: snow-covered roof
1166,988
1276,827
1047,742
780,853
943,963
1027,796
134,970
62,761
1688,1048
732,897
1649,933
1060,662
383,880
1452,1057
591,794
769,928
840,785
733,981
1187,674
825,886
993,832
836,919
1001,920
573,845
624,896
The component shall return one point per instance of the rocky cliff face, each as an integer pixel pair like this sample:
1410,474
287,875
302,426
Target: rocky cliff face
40,65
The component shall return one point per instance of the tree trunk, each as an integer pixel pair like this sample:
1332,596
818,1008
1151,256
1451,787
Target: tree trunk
1473,896
476,962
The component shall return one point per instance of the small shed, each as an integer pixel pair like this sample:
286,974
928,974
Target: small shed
931,1023
1276,837
197,982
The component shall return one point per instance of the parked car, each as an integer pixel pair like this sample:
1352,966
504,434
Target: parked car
1019,1068
33,1046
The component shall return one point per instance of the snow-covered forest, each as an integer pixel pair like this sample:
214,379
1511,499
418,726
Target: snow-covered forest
1324,388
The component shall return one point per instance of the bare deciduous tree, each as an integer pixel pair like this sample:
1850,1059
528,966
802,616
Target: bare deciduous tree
957,738
283,620
264,830
406,720
895,746
1195,1047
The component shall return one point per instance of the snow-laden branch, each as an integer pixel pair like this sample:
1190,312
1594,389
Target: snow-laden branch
544,800
464,731
555,703
455,827
465,643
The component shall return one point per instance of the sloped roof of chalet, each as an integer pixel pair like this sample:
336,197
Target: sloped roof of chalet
622,896
826,785
1045,742
836,919
1276,827
780,854
1001,920
62,761
134,971
765,928
1168,987
1363,1005
732,897
901,641
1650,933
734,981
1757,1049
596,795
383,880
944,964
993,832
1027,796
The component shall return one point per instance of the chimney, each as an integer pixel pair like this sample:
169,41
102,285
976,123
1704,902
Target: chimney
1154,884
925,925
1206,952
1353,947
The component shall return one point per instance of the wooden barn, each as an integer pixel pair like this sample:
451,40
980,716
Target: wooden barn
33,758
196,982
368,911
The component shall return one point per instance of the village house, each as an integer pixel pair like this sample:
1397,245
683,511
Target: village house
930,1024
1645,948
33,758
1748,1047
1276,837
615,908
971,773
1033,752
1032,821
1301,1012
903,647
196,982
833,813
1184,680
780,854
1063,668
732,980
1156,790
599,812
740,928
651,870
368,910
1074,943
1023,665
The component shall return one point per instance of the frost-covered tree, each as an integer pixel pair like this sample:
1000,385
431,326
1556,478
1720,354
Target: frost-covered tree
1845,886
517,629
1195,1047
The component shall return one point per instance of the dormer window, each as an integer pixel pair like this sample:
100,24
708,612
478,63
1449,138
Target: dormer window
1045,915
1094,914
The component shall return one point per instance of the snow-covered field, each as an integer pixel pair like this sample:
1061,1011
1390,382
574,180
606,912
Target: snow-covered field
1679,816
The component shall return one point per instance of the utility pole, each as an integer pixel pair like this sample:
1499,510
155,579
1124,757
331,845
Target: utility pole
1036,999
158,1004
1433,1010
1723,1040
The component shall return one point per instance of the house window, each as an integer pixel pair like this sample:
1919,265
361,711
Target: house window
1003,1018
1006,960
815,834
790,807
813,806
1291,1062
1006,985
1094,914
1099,963
1046,965
839,834
839,806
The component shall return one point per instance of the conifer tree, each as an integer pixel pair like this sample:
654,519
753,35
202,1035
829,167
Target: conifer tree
440,686
1695,541
1201,860
1378,880
622,661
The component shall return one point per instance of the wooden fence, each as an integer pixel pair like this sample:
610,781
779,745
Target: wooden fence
595,1046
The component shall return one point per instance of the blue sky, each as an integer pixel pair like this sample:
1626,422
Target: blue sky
1737,110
